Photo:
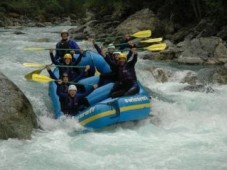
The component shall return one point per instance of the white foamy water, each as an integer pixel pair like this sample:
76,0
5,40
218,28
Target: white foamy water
188,129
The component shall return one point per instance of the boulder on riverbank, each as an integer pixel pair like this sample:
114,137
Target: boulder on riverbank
17,118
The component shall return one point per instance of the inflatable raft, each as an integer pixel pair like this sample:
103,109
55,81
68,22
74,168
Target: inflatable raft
104,110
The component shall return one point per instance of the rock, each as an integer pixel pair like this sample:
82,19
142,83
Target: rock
17,118
40,24
199,88
204,28
160,74
223,33
18,32
189,60
179,35
190,78
141,20
66,22
221,53
204,50
225,66
2,24
89,16
220,76
14,15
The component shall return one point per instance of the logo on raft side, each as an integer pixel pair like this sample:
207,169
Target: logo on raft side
89,111
136,99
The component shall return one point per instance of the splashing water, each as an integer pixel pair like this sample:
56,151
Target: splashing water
187,130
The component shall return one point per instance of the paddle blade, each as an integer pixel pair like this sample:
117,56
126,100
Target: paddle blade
35,49
41,78
142,34
156,47
33,65
29,75
152,40
97,73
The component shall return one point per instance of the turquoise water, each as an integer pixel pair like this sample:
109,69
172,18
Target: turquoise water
187,132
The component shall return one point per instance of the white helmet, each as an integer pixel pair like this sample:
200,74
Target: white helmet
116,52
72,87
110,46
64,31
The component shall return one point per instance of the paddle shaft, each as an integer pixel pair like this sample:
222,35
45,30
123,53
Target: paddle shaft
71,82
68,66
141,41
56,49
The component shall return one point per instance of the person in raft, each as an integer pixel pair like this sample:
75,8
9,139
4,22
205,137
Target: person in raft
76,102
62,87
110,57
126,84
72,74
65,45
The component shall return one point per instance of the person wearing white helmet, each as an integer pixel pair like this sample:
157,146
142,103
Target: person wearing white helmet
65,45
76,101
111,59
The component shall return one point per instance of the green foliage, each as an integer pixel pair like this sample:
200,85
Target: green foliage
180,11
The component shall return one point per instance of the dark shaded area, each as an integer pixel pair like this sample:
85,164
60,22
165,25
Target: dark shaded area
178,11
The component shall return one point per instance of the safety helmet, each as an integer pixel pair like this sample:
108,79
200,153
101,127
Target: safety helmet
122,56
116,52
65,75
72,87
64,31
110,46
69,56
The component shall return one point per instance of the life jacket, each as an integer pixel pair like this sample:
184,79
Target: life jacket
68,70
62,90
63,45
110,59
126,73
72,105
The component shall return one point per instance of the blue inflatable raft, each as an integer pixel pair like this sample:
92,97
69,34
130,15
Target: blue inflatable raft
104,110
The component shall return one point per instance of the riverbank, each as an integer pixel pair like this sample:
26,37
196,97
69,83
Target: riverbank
194,43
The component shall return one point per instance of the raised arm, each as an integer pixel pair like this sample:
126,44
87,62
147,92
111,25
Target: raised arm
53,59
132,57
74,46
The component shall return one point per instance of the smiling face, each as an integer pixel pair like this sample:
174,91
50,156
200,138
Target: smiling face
121,61
65,79
72,93
64,36
67,61
116,56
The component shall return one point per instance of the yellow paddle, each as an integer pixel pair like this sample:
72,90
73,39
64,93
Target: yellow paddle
43,48
33,65
156,47
29,75
142,34
42,78
43,65
139,34
36,49
152,40
45,79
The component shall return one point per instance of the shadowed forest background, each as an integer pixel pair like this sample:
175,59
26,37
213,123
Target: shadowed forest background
178,11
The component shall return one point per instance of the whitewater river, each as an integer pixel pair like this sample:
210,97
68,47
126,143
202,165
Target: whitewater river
187,132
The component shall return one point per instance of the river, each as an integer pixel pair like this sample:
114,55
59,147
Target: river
188,130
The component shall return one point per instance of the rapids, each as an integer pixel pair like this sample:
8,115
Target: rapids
188,130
